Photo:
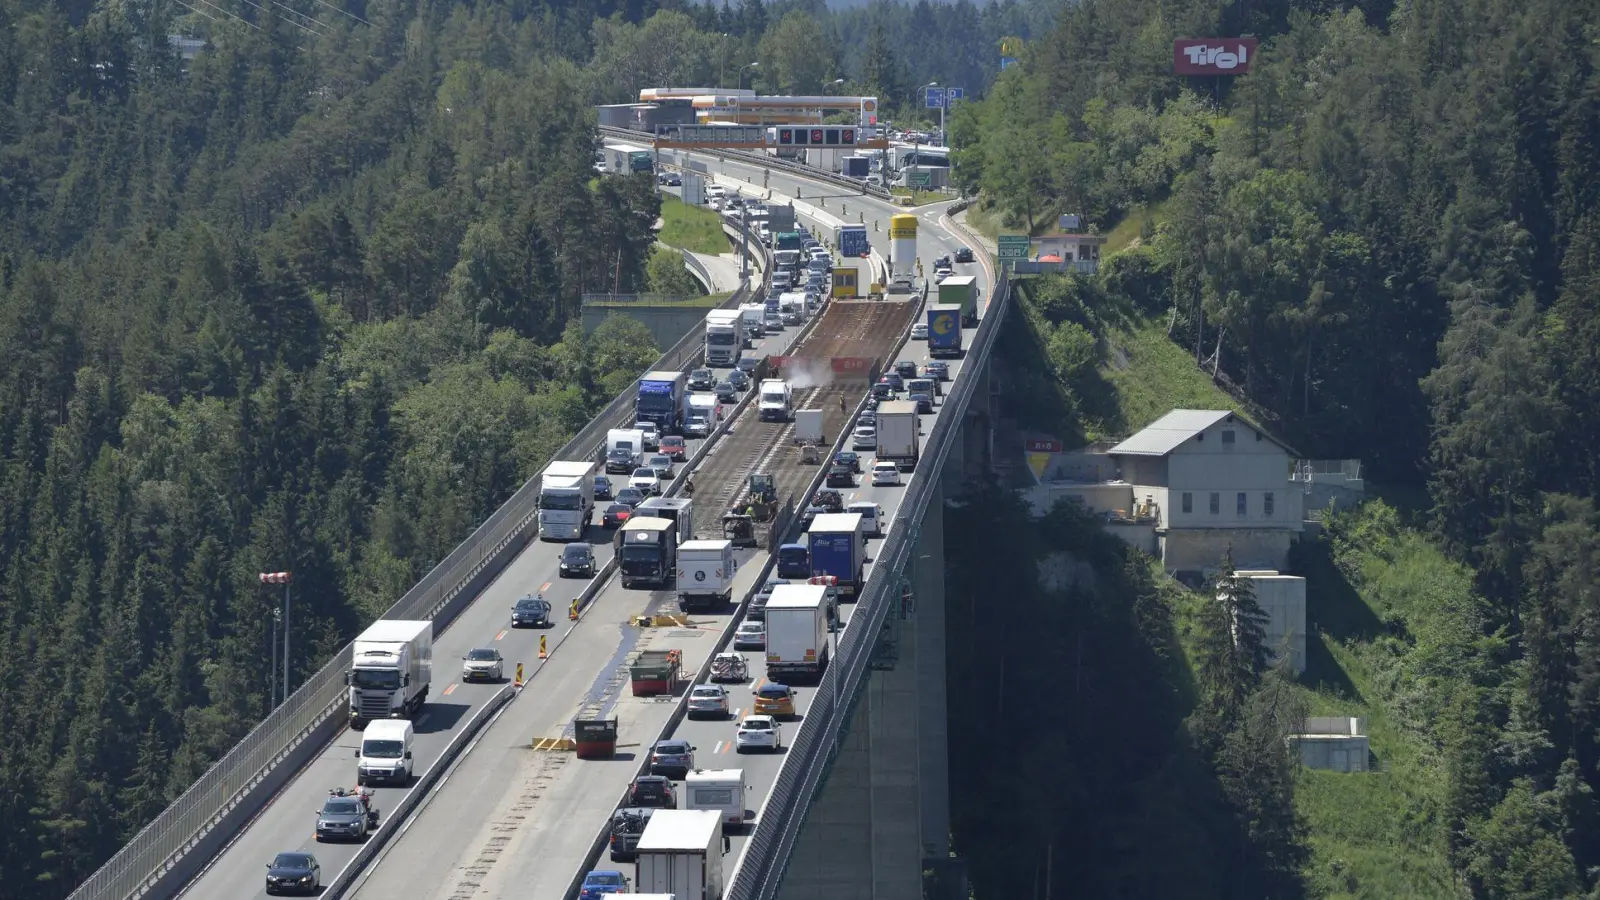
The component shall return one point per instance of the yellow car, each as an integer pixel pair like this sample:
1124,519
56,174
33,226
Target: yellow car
775,700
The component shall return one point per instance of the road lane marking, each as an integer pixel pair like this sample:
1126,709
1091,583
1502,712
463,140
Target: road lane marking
545,587
502,634
449,690
720,746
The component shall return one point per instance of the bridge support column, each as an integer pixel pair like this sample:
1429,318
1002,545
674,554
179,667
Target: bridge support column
885,806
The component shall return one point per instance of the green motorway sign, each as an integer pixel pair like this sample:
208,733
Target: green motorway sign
919,179
1013,246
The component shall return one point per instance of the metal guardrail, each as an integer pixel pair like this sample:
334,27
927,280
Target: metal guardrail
766,857
160,852
698,269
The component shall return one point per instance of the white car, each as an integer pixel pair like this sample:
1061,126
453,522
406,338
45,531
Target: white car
871,517
646,480
708,700
483,664
750,636
885,474
758,733
652,434
865,437
662,463
919,331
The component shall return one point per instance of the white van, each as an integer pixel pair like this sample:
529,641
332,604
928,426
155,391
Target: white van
384,756
717,789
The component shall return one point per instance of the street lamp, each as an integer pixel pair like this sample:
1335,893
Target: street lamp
722,64
742,69
283,578
832,84
916,145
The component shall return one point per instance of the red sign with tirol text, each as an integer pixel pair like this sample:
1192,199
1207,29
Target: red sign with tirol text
1213,56
1042,445
852,365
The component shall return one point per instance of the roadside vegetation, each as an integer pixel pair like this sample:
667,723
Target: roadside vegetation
690,227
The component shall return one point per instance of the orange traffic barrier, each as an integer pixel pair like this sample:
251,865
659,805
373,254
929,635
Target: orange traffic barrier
518,682
543,654
573,613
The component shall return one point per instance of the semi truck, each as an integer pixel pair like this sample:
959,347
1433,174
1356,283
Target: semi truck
851,240
754,317
624,450
705,574
724,341
648,550
391,665
962,291
838,546
944,330
677,509
787,240
566,500
703,416
680,853
797,631
660,400
776,401
897,433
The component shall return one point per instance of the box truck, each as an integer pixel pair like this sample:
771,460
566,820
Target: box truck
676,509
648,548
962,291
566,500
808,426
391,664
838,546
944,330
660,400
797,631
680,853
624,450
897,433
754,316
705,574
724,342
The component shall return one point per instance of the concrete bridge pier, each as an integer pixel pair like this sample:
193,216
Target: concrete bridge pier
883,812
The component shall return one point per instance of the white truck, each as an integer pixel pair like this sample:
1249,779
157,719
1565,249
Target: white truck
754,316
792,307
797,631
724,342
624,450
680,853
677,509
703,415
808,426
897,433
705,574
566,500
776,401
390,667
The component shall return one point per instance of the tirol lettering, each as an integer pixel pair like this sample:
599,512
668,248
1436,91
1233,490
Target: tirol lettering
1219,57
1212,56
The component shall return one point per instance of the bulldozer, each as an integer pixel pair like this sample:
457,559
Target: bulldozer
762,497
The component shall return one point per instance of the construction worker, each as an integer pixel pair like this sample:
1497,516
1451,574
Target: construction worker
841,404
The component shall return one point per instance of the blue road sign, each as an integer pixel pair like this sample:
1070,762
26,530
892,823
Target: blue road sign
1007,62
934,99
951,95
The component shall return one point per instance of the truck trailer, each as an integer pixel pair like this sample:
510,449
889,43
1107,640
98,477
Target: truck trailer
898,433
391,664
660,400
851,240
680,853
624,450
566,500
648,550
962,291
797,631
705,574
944,330
678,509
724,341
838,547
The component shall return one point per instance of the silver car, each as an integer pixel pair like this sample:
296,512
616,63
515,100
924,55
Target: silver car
483,664
708,700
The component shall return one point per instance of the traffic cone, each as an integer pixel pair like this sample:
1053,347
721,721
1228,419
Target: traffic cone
518,682
543,654
573,613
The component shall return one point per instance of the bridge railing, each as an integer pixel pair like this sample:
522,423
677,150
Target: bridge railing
169,851
765,859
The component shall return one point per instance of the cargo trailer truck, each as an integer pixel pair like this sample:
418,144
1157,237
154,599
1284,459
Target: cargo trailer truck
676,509
898,433
962,291
838,546
391,664
944,331
724,341
566,500
797,631
660,400
680,853
705,574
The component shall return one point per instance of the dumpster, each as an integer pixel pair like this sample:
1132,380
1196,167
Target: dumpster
594,736
655,672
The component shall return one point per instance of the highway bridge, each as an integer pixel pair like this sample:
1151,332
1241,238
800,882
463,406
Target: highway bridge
855,806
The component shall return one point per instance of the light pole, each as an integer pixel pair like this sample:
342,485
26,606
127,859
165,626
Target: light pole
722,64
754,65
832,84
283,578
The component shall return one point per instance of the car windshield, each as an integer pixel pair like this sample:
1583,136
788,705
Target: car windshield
630,496
375,679
381,749
340,807
575,552
707,692
605,878
528,603
751,627
672,747
292,861
481,655
661,460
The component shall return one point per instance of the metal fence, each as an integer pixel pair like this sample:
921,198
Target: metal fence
233,781
764,861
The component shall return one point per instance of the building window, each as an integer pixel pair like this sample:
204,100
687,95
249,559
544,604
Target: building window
1227,437
1244,505
1188,502
1216,503
1266,504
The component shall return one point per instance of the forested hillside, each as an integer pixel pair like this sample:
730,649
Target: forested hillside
1384,239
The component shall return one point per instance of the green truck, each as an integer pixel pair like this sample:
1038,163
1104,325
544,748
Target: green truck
962,291
787,240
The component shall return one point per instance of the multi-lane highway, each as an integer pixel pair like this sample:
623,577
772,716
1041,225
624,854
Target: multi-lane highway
511,821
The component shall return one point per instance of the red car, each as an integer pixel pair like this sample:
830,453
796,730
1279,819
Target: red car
675,447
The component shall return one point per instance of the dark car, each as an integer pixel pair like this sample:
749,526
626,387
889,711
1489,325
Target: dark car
810,513
851,459
531,611
674,179
942,262
702,380
726,393
631,496
964,255
748,364
577,561
923,401
602,488
627,825
619,461
894,381
616,515
653,790
673,758
758,603
839,475
906,369
739,380
937,370
342,819
883,390
294,873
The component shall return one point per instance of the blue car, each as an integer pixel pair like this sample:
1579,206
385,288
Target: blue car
604,881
